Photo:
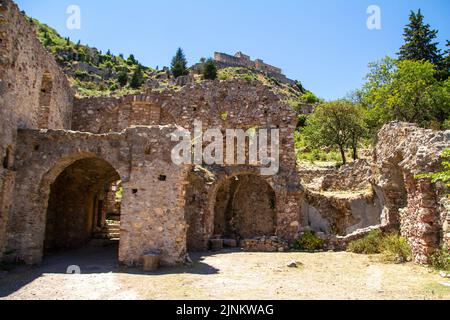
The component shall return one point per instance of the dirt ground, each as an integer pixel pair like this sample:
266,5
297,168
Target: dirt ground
225,275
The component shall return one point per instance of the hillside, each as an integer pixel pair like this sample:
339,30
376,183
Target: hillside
94,73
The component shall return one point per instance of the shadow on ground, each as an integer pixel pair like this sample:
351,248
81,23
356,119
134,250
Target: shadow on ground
92,260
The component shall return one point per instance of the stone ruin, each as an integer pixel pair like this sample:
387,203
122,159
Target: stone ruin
224,60
64,158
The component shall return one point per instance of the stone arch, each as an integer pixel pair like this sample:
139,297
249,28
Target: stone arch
244,205
70,200
45,98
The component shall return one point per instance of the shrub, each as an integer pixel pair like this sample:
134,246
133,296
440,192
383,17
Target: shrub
392,247
308,241
370,244
440,260
310,97
395,248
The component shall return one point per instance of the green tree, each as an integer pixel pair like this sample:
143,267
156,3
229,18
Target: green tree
444,67
335,124
405,91
209,70
179,64
137,80
131,61
122,78
419,41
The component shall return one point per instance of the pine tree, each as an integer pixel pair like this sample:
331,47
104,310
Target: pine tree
419,43
179,64
137,80
209,70
444,67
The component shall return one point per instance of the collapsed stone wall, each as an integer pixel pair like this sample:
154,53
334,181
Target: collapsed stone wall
403,152
341,214
34,93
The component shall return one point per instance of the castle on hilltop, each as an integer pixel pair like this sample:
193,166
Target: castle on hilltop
240,59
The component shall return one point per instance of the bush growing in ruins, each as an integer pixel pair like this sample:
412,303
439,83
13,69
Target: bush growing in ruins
443,176
370,244
392,247
308,241
440,260
395,248
336,124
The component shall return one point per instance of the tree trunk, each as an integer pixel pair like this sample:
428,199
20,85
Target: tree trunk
355,149
344,159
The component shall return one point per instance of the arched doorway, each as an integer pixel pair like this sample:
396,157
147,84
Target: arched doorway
78,203
245,208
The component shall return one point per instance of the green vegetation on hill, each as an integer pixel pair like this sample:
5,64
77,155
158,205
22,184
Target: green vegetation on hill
92,72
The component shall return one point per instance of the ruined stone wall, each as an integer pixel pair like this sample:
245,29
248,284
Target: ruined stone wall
152,212
403,152
341,214
222,105
224,60
34,93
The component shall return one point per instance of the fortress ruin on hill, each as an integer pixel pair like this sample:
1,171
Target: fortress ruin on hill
64,159
242,60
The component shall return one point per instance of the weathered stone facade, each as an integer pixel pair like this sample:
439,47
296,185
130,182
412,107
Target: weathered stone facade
34,93
61,155
405,151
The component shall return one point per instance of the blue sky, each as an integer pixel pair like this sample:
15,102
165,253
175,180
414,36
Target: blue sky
323,43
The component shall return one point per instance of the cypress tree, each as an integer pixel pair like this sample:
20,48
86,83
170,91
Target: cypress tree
419,41
179,64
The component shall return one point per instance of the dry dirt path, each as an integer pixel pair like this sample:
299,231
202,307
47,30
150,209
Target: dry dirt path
226,275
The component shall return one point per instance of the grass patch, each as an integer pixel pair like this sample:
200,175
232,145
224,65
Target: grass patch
392,247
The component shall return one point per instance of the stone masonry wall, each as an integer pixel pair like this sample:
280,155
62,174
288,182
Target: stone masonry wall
34,93
152,212
222,105
403,152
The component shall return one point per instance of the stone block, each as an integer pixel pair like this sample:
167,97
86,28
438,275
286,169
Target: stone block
216,244
151,262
